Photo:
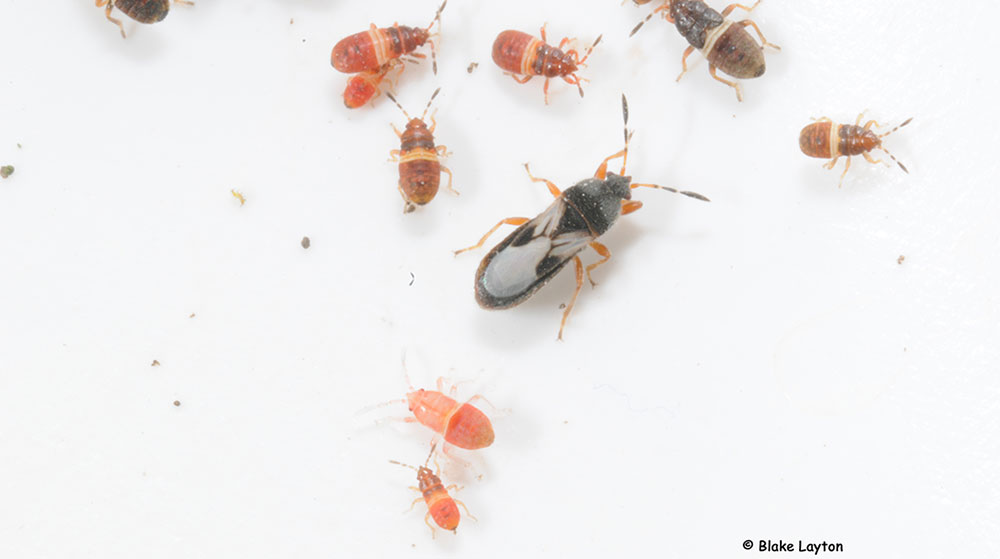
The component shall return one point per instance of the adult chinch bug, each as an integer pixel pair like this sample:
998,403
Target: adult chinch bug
143,11
367,51
521,54
418,157
440,504
540,247
824,139
365,86
725,43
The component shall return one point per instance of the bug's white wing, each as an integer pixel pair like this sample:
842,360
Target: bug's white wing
531,256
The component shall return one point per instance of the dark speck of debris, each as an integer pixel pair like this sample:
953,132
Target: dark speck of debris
155,363
900,259
192,315
18,146
177,403
566,422
291,21
6,171
562,305
412,278
472,67
305,242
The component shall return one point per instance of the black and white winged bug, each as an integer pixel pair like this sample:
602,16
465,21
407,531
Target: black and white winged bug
535,252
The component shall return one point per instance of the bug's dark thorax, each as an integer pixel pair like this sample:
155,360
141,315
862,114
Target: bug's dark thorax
416,135
597,202
855,140
404,39
693,18
144,11
552,62
429,483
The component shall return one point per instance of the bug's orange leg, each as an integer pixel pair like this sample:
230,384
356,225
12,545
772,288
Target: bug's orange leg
763,41
576,80
871,123
820,119
684,64
453,390
553,189
442,151
572,301
428,523
414,503
107,14
602,169
450,189
844,174
466,509
630,206
729,9
524,79
734,85
606,255
507,221
406,419
542,32
184,2
396,130
545,90
394,155
831,163
874,161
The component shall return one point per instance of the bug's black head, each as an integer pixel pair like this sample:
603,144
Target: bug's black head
619,186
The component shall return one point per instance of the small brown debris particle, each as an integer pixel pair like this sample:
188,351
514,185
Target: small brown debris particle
306,242
177,403
472,67
900,259
18,146
191,315
562,305
155,363
239,196
566,422
6,171
291,21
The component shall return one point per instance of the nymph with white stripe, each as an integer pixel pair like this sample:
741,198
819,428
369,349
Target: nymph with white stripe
540,247
725,43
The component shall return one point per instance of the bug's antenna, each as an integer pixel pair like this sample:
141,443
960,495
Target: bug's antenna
589,50
429,101
431,453
901,166
437,18
393,99
367,409
907,121
893,157
403,465
627,134
664,6
687,193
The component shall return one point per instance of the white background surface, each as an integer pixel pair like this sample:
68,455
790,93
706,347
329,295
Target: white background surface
755,368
